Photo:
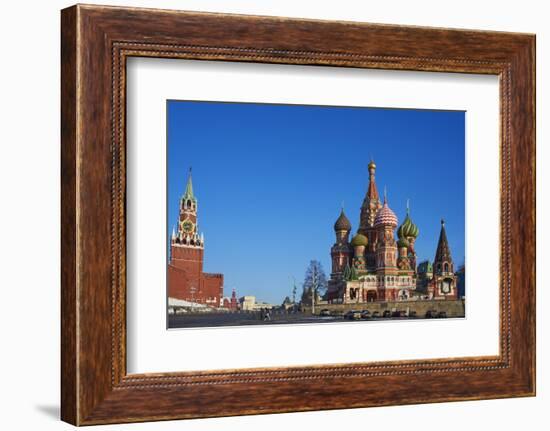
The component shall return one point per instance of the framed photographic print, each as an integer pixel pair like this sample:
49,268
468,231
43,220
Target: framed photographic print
380,264
292,206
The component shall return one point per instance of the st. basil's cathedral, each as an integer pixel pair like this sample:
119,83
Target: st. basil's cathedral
375,267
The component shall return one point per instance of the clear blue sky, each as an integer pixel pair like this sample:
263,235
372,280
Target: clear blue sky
270,181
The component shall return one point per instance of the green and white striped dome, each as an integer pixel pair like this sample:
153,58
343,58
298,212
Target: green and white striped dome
408,229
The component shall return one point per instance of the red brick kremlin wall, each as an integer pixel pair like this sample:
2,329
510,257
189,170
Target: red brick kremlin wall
185,272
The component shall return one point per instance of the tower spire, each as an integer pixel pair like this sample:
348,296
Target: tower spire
372,192
371,202
443,252
445,280
189,187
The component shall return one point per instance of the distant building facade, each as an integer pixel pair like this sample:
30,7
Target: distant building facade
249,303
373,266
186,279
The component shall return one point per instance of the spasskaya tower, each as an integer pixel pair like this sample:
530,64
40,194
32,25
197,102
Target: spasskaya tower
186,279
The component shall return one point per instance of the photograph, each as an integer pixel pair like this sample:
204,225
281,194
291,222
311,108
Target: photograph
305,214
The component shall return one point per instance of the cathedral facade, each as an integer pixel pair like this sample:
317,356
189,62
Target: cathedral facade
186,279
374,266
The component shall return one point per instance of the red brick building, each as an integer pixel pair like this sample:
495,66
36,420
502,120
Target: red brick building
186,279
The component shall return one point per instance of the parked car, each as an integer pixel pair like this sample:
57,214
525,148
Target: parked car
353,315
386,313
365,314
431,314
375,314
442,314
412,313
324,312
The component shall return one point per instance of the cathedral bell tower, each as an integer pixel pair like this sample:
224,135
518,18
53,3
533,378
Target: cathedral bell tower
370,207
385,224
386,247
445,280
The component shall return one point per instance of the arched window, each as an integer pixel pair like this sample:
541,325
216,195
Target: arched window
446,266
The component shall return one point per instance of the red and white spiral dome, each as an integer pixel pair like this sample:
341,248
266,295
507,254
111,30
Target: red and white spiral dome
385,217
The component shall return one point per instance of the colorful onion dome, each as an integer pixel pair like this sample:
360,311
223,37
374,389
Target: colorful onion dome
408,229
342,223
385,216
359,240
402,242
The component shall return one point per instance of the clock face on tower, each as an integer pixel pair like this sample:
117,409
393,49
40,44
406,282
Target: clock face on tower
187,226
